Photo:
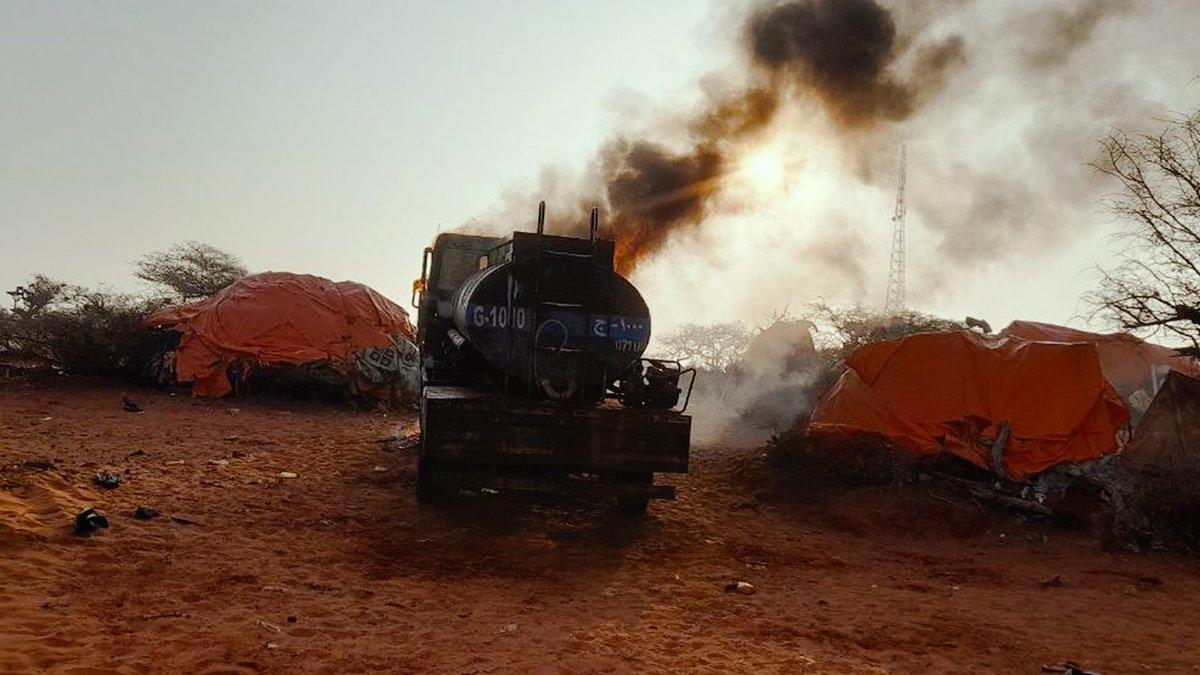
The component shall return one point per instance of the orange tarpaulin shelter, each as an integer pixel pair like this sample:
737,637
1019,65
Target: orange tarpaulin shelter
952,392
281,318
1128,362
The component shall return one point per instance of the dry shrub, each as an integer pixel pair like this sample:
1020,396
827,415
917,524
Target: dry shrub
845,328
1161,509
862,460
73,330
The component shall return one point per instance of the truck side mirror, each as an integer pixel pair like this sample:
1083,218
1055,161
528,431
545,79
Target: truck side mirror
418,287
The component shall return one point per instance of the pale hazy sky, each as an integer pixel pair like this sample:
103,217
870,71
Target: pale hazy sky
321,137
334,138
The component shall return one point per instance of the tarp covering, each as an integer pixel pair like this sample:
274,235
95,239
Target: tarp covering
1129,363
952,392
1168,437
281,318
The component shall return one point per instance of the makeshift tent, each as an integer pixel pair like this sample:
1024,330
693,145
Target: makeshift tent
953,392
1168,437
1129,363
280,318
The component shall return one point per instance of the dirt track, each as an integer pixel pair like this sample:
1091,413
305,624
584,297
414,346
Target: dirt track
338,571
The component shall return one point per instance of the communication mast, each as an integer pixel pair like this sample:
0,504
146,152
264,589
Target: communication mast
895,290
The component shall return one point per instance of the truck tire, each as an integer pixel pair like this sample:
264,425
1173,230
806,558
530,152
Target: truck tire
633,505
429,488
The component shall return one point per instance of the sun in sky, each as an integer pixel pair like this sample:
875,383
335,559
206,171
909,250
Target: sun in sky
763,168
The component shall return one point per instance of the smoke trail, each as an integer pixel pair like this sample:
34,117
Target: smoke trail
651,191
841,52
1065,30
1015,137
838,49
1002,106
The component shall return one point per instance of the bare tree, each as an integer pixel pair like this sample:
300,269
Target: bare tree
714,347
38,295
1155,285
192,270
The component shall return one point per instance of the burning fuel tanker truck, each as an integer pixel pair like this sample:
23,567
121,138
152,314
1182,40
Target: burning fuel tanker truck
533,376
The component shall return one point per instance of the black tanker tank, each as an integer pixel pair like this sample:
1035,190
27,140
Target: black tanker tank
553,316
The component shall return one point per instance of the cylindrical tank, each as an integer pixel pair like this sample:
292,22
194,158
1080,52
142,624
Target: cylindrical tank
559,323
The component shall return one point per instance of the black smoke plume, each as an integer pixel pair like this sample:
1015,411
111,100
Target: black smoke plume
839,50
651,191
841,53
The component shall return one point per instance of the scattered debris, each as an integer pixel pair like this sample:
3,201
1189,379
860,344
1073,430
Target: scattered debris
173,462
88,521
164,615
1067,668
990,494
185,521
508,628
218,462
288,474
237,454
379,468
39,464
106,480
981,324
408,441
742,587
232,438
275,589
271,645
129,405
145,513
136,453
940,498
270,626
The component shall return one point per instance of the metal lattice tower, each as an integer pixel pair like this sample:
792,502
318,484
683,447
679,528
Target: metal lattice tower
895,290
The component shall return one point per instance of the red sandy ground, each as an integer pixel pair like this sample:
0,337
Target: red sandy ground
338,570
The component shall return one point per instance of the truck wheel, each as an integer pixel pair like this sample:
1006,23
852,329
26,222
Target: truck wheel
428,487
632,506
